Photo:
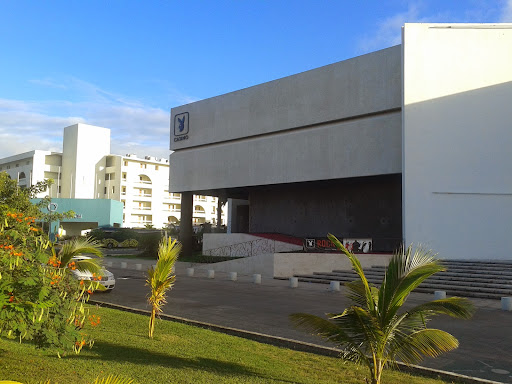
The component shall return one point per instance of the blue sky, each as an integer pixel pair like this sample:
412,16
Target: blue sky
124,64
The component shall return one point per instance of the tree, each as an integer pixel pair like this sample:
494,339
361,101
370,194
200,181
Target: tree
162,278
375,330
40,299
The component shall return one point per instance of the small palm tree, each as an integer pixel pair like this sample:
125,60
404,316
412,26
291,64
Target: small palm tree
77,247
67,259
161,278
374,331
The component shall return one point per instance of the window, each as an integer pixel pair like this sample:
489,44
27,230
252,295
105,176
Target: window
60,189
125,163
105,191
8,167
156,167
124,189
113,189
17,165
124,176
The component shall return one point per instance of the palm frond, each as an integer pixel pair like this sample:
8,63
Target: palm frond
458,307
112,379
331,332
406,270
357,292
356,265
78,247
413,348
161,278
361,326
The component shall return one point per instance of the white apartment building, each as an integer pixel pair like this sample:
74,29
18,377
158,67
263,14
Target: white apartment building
86,170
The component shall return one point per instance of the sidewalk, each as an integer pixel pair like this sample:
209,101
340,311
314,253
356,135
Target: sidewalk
485,341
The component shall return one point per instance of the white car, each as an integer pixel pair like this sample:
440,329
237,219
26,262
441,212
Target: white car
106,277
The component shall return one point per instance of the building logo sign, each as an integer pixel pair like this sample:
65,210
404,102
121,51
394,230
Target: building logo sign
181,127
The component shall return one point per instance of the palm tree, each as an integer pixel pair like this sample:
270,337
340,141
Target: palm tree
162,277
67,258
374,331
77,247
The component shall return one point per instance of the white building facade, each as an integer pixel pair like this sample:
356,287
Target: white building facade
86,170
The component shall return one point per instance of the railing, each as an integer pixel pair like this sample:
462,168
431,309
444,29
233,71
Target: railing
247,249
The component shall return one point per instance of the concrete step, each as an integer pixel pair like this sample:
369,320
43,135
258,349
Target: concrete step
466,269
437,280
443,276
500,275
489,279
484,293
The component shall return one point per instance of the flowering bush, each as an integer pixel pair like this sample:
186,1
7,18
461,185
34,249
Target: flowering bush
110,243
129,243
39,298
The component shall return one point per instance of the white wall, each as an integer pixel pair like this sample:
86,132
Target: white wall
457,139
85,146
289,264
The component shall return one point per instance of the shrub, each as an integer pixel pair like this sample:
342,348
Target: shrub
129,243
110,243
149,243
39,298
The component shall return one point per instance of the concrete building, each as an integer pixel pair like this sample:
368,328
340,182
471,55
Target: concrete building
86,171
408,144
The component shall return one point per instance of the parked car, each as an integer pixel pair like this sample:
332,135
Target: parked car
106,277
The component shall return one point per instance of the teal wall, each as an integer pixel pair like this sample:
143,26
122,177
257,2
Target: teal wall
102,211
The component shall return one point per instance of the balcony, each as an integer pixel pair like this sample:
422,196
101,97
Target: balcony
143,182
142,209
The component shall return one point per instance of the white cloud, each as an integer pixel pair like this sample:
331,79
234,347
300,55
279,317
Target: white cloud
388,31
506,14
135,127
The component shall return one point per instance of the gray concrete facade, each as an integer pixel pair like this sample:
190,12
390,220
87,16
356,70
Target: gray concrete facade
433,110
341,120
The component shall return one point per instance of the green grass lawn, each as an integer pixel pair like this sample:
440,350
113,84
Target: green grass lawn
178,354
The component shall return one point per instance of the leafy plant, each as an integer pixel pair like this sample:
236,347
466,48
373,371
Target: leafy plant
161,278
129,243
110,243
40,299
374,331
150,242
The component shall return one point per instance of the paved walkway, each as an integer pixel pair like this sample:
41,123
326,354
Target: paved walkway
485,341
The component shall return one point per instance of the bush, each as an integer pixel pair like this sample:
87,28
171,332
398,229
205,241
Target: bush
39,298
149,242
118,234
97,234
129,243
110,243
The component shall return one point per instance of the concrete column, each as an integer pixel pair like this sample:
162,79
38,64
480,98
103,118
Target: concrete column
219,213
186,223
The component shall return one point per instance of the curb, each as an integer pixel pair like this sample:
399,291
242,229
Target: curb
298,345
